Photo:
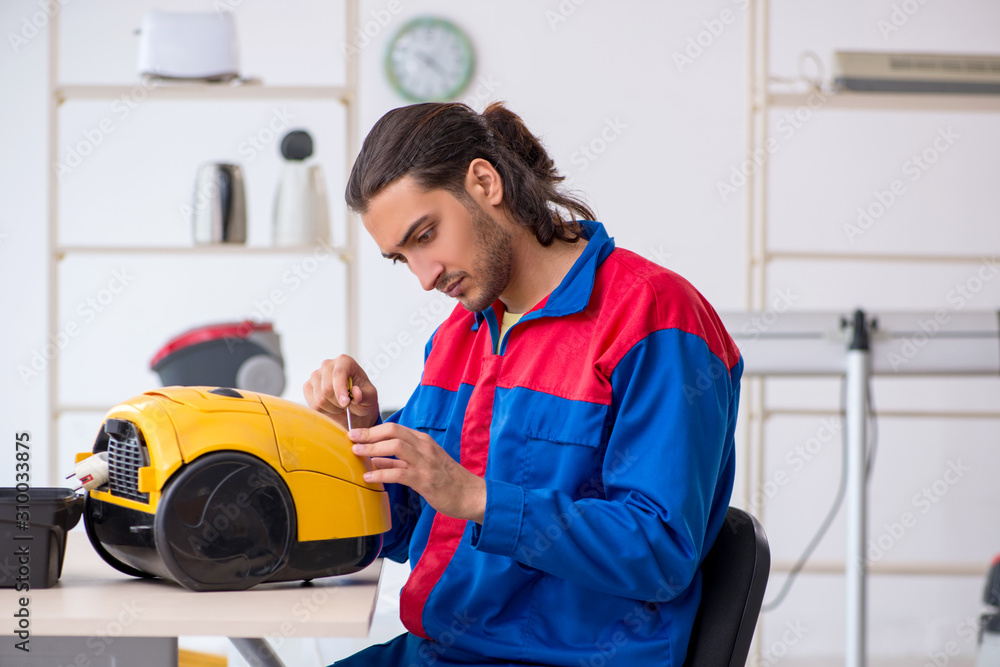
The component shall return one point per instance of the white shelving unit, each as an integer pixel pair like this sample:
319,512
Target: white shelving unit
761,100
888,101
347,95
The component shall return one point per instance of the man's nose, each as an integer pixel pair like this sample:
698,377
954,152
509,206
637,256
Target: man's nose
428,273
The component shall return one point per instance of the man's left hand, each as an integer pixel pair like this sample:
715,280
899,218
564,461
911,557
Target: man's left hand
424,466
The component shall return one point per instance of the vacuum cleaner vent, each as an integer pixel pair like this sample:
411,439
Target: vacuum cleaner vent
126,454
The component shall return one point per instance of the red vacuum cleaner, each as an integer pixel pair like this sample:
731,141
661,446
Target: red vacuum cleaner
241,355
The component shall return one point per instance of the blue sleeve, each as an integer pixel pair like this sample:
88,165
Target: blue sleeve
667,478
405,505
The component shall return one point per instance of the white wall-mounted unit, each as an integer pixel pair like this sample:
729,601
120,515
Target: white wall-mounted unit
916,72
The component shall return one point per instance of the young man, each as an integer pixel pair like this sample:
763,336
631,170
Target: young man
567,459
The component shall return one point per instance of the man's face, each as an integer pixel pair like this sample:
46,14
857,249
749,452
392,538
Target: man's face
450,245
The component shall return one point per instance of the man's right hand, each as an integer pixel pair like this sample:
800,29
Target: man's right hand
326,391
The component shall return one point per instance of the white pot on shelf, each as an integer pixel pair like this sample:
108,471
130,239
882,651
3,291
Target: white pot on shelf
301,209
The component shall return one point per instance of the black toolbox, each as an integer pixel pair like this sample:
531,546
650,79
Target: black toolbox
33,545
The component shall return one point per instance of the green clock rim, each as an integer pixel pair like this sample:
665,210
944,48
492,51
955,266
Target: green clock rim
451,28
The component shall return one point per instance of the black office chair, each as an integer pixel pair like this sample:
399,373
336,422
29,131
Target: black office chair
734,576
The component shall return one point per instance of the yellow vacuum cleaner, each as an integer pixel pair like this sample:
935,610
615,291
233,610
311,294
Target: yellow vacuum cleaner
223,489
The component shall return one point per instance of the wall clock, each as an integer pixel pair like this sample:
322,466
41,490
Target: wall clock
430,59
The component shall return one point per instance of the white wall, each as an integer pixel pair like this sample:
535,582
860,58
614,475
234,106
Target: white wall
569,69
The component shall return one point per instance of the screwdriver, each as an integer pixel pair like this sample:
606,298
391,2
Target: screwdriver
350,398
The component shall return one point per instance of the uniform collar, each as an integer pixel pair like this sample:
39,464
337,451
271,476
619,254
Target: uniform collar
572,294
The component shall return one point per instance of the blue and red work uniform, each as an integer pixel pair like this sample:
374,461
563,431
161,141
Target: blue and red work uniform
604,428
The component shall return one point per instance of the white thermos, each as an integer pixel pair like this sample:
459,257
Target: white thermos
301,213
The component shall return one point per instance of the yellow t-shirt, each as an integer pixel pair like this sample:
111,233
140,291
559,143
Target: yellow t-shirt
506,322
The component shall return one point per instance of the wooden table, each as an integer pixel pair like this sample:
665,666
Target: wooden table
101,607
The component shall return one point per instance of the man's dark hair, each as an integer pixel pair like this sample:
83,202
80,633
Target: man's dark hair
434,143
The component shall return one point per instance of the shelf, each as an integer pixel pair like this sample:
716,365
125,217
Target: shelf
895,414
216,249
765,94
188,92
871,257
885,101
898,568
206,91
64,409
103,409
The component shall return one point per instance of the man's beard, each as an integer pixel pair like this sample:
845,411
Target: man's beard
492,263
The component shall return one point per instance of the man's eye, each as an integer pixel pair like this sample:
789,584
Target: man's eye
425,237
398,259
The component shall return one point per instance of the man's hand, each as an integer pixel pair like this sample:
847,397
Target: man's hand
326,391
424,466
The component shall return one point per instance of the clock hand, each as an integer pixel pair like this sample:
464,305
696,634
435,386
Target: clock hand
430,62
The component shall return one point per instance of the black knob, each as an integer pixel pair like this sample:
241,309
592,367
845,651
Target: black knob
297,145
118,428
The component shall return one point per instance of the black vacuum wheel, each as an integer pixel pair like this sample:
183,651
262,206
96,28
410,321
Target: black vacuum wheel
226,521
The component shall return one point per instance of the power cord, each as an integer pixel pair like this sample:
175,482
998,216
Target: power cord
841,489
814,80
873,429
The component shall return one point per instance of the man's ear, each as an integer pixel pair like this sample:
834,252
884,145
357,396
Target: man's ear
484,183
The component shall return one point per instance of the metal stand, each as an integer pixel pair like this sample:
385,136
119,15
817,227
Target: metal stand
855,572
809,344
257,652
